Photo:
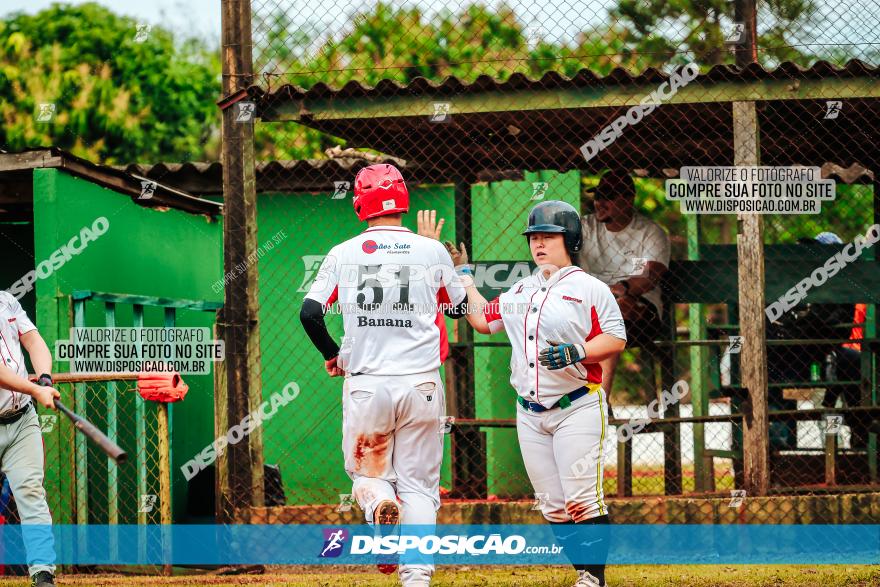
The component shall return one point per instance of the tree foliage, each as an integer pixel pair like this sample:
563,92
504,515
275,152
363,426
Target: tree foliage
404,43
401,44
121,100
117,99
678,31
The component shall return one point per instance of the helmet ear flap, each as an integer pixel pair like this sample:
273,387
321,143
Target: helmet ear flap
574,241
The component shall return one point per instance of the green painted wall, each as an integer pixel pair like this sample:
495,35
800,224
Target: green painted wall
145,251
305,439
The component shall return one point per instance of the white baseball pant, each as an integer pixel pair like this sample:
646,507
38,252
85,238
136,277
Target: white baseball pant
21,459
392,440
563,453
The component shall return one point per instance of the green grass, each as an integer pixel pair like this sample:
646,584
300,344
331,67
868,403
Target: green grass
621,576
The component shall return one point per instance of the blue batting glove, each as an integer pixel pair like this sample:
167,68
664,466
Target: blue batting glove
560,355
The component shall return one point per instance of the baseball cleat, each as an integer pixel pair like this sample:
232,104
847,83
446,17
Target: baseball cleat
585,579
387,518
43,579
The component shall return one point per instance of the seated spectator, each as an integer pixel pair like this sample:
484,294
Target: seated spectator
628,252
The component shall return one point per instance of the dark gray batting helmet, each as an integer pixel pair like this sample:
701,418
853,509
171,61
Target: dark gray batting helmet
556,216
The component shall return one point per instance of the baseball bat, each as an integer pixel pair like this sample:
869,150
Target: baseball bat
113,450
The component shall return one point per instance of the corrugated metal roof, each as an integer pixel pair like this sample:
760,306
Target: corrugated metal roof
319,175
553,80
15,168
853,174
309,175
520,123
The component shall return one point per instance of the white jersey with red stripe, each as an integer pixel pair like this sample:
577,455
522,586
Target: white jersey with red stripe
14,322
389,283
569,307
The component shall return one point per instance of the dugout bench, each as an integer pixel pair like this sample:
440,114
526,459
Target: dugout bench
712,279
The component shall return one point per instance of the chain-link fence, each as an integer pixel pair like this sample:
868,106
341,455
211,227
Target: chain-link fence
489,110
84,486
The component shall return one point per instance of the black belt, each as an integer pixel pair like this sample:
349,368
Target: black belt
563,402
13,417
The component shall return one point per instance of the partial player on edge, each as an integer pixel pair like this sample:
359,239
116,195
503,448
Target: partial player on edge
21,440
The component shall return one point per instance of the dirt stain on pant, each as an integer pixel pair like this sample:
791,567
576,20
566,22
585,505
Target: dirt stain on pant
371,454
577,511
556,515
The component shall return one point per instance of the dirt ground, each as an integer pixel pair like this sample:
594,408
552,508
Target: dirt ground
512,576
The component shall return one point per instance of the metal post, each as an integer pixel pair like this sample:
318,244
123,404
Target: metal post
170,321
624,468
869,330
112,427
82,449
699,363
240,468
469,469
165,431
140,422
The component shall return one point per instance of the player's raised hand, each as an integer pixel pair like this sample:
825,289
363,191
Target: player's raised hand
428,225
459,256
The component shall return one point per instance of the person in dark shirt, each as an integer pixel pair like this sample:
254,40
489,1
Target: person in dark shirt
790,363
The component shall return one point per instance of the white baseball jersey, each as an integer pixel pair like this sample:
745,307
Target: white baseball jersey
13,323
614,256
389,283
571,306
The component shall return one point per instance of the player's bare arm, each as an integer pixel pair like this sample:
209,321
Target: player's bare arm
38,351
640,284
476,302
43,394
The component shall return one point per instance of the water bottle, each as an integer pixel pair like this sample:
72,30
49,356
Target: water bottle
814,371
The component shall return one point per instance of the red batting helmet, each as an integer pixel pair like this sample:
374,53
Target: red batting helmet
379,190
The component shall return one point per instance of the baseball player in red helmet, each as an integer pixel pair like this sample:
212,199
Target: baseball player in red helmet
391,285
561,323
